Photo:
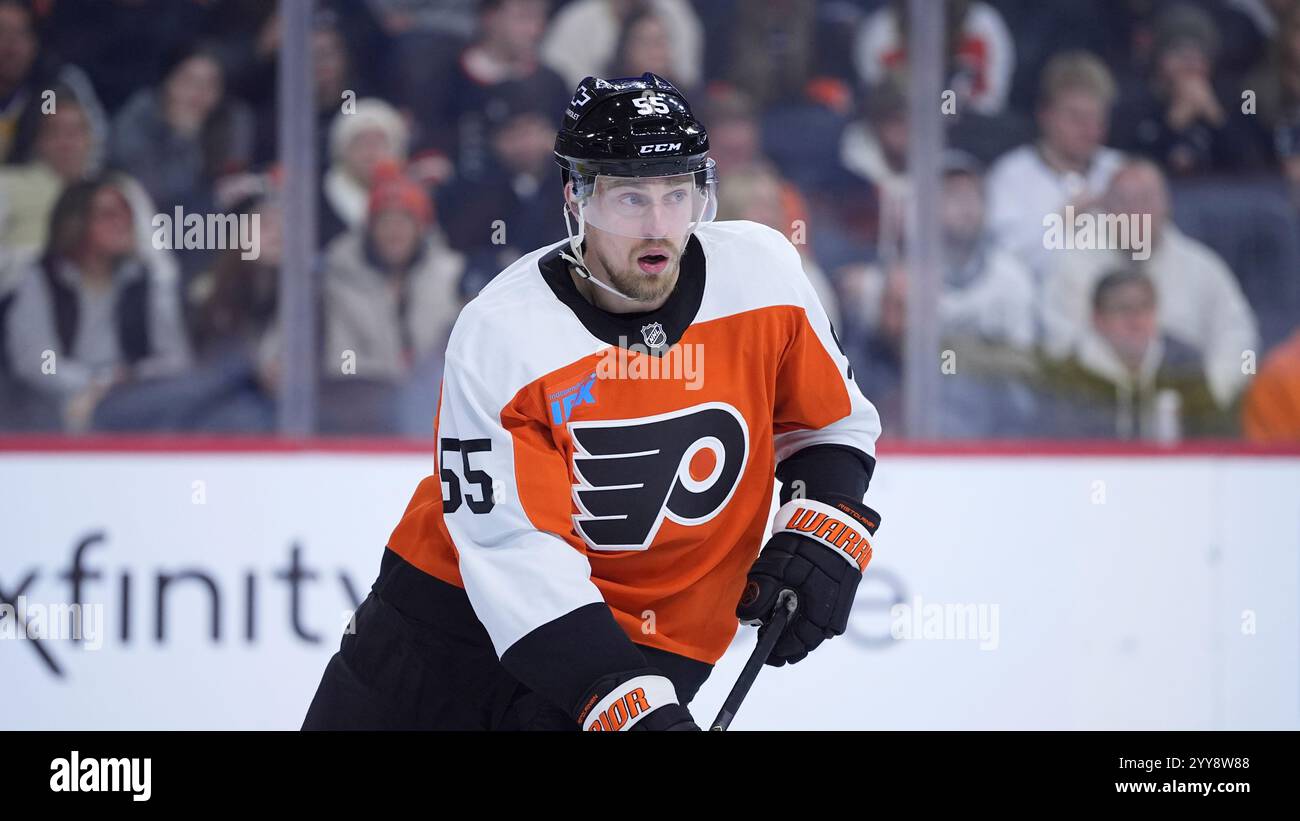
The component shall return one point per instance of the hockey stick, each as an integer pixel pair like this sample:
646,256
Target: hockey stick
786,603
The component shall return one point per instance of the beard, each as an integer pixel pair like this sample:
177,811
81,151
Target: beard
629,279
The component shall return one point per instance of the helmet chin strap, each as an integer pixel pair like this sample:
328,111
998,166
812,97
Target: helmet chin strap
575,258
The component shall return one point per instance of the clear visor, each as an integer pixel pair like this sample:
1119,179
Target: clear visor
648,207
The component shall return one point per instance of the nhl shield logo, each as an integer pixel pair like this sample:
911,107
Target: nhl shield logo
654,335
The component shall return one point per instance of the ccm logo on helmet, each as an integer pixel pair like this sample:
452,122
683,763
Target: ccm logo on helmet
658,148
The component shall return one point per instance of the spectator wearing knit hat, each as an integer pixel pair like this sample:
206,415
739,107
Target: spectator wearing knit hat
390,295
360,140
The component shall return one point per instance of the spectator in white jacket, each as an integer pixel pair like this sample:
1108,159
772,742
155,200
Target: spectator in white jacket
1200,302
1067,166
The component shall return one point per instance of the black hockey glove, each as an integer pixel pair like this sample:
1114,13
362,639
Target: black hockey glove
636,700
818,550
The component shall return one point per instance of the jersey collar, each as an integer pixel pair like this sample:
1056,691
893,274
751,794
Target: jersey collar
639,329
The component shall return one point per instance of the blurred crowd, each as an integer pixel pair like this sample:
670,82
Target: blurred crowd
435,123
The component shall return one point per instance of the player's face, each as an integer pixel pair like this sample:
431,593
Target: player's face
637,228
644,269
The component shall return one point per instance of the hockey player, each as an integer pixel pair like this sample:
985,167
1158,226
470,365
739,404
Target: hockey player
590,536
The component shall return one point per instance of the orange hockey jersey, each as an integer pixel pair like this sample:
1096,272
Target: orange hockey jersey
586,457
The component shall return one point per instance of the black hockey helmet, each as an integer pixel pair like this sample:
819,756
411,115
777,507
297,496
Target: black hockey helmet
630,127
638,163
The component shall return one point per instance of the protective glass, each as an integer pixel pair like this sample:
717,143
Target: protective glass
648,207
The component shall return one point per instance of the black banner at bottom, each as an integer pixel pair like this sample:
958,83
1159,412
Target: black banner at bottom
246,770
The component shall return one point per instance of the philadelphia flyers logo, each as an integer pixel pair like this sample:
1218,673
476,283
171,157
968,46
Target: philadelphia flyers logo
632,474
